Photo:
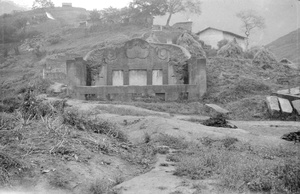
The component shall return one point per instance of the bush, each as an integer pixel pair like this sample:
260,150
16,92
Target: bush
221,43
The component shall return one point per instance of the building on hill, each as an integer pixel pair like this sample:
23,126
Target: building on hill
211,36
66,4
184,25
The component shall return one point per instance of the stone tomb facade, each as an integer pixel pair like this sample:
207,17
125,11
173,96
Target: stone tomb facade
136,69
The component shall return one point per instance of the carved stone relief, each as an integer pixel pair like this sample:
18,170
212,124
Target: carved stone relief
137,49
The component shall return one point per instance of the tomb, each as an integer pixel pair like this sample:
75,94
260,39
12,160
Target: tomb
137,68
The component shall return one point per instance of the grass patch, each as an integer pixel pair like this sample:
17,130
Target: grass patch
83,122
239,166
102,186
142,154
172,142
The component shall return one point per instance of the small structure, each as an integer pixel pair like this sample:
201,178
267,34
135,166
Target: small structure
66,4
136,69
184,25
211,36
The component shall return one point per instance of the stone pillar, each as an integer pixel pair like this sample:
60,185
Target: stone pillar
76,74
197,75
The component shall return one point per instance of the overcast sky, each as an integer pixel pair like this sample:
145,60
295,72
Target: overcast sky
282,16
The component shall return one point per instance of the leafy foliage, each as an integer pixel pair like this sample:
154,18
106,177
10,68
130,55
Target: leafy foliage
175,6
42,4
152,7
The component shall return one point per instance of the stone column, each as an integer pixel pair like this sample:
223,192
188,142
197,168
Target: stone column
76,75
197,76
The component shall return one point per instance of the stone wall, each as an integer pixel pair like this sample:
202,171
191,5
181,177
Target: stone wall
55,70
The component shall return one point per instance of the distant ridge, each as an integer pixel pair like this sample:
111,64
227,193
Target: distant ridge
287,46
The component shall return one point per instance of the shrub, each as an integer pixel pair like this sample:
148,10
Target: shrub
221,43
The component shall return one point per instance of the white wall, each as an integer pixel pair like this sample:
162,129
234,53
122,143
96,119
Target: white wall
212,37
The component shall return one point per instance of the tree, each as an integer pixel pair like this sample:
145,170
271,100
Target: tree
175,6
95,15
42,4
150,7
250,21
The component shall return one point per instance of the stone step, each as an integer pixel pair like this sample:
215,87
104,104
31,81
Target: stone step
296,105
273,105
285,105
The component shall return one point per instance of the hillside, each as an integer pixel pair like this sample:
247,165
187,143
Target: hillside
287,46
62,145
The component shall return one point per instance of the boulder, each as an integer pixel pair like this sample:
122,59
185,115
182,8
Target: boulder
214,110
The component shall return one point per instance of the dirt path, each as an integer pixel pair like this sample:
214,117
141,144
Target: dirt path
160,180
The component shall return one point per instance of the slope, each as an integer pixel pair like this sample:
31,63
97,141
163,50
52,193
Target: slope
287,46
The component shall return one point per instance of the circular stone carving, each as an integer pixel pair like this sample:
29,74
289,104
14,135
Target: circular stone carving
162,54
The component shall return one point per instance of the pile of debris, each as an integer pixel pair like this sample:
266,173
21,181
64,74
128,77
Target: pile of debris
293,136
231,50
218,121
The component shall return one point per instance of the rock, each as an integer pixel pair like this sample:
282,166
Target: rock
273,106
285,105
215,109
296,105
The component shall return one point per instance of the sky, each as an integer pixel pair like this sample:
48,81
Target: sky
281,16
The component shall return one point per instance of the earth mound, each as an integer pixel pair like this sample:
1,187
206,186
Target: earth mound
265,59
231,50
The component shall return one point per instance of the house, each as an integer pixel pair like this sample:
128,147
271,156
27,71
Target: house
66,4
211,36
